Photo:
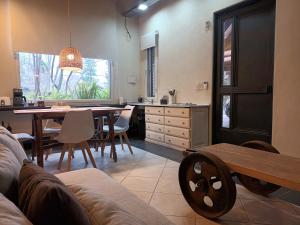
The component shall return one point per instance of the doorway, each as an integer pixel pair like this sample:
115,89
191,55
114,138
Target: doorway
243,72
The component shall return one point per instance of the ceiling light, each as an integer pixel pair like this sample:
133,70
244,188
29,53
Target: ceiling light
142,7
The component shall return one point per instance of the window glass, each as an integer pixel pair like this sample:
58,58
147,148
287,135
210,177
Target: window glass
226,111
151,78
227,50
40,77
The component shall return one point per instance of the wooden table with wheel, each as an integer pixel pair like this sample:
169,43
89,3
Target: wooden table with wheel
205,176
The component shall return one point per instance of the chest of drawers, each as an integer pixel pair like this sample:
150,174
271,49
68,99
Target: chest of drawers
177,127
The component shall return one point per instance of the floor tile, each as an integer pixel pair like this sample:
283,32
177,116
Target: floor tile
146,171
170,173
145,196
118,178
171,205
237,213
168,186
171,163
204,221
140,183
182,220
271,212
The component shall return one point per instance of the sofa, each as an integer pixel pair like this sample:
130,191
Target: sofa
97,193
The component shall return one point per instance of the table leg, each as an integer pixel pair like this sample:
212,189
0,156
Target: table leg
112,135
38,140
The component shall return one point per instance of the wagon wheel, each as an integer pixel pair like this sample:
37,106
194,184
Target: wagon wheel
255,185
206,184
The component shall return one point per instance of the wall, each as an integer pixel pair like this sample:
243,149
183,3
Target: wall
185,47
286,115
185,59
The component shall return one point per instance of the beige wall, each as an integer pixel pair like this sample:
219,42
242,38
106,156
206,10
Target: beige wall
185,47
286,113
185,59
97,31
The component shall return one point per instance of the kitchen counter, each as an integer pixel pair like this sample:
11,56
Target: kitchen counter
177,105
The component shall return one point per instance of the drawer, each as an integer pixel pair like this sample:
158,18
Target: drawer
155,110
178,132
155,127
179,112
154,119
180,142
177,122
155,136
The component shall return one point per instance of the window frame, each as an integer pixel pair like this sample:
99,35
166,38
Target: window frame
153,68
74,102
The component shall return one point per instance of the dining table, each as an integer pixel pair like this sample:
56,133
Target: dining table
38,115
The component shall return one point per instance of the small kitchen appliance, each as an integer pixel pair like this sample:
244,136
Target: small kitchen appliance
5,101
18,99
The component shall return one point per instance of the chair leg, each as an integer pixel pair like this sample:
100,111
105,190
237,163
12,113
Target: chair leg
90,154
83,153
48,152
70,153
121,140
127,141
62,155
73,153
103,145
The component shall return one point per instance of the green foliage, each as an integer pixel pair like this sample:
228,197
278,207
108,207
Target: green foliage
89,70
90,90
57,95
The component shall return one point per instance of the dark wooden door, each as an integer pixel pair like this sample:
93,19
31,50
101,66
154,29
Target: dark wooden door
243,72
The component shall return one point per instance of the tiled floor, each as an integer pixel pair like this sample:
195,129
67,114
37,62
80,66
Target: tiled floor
154,180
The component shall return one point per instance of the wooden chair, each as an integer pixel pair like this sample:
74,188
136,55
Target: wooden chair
77,129
120,128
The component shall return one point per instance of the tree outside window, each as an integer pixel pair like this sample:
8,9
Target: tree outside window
41,78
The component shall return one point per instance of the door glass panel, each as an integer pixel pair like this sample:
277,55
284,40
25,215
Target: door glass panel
226,111
227,49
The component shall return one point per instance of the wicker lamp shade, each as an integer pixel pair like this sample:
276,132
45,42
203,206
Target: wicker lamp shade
70,59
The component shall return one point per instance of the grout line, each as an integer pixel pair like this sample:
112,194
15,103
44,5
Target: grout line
158,181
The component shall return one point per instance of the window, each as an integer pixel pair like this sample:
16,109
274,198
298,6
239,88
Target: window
151,77
40,77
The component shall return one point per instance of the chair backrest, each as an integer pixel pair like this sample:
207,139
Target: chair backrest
78,126
124,118
49,122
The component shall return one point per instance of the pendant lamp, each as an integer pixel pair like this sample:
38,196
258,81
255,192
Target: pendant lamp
70,58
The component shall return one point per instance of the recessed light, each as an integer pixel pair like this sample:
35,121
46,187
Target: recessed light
142,7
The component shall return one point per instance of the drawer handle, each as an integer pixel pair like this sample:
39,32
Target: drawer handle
159,129
159,111
159,120
148,118
182,143
159,138
168,111
168,121
183,133
183,123
182,112
169,140
169,131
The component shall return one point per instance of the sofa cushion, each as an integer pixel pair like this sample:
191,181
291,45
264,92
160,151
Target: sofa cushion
9,174
46,201
10,214
102,210
96,183
9,140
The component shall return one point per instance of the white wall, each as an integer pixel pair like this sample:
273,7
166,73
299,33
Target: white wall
286,113
185,47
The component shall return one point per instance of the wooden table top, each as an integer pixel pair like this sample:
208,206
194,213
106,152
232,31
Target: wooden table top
278,169
46,111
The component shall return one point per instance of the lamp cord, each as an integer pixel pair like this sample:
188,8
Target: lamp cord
69,24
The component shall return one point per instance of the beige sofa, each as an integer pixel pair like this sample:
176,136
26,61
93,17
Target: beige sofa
94,189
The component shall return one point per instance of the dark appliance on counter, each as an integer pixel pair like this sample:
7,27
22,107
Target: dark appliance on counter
18,99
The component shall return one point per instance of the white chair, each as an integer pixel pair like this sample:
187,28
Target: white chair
120,128
51,128
77,129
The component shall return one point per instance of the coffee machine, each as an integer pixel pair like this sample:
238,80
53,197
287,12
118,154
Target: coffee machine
18,99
